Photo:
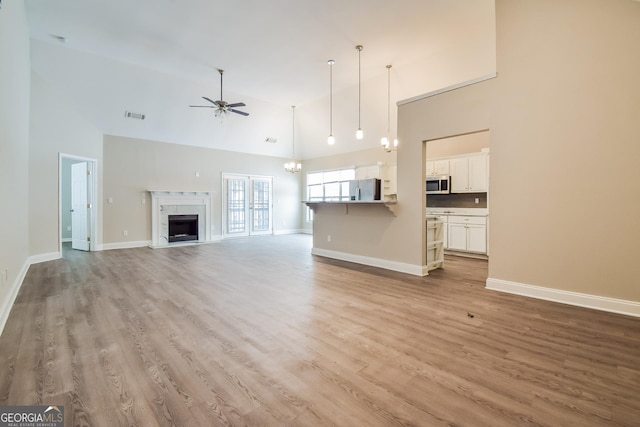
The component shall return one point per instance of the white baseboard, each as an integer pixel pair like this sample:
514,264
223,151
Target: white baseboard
124,245
66,239
17,284
416,270
36,259
629,308
12,295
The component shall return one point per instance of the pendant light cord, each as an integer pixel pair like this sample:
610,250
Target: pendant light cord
388,99
331,62
293,132
359,47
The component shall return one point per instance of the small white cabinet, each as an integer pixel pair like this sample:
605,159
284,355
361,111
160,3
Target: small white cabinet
366,172
467,233
470,174
438,167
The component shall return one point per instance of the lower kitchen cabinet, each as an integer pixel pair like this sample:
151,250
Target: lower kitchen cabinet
467,233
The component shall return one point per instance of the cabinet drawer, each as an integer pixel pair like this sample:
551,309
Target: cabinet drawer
478,220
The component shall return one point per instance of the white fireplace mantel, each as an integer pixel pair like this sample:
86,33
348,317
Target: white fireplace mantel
183,202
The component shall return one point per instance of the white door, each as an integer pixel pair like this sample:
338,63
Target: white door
247,205
260,206
80,206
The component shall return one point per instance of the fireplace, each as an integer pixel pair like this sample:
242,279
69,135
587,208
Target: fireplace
169,203
183,228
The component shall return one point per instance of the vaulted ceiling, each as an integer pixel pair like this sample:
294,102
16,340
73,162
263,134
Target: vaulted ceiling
157,57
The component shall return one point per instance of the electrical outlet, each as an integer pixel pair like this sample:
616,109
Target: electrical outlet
109,199
329,238
477,200
125,232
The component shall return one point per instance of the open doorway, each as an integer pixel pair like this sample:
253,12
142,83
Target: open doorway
77,202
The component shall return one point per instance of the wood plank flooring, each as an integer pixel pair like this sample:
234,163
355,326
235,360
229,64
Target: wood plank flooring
258,332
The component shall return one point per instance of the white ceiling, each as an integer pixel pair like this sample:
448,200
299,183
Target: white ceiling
159,56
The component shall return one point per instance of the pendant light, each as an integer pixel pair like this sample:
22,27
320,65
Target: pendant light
292,166
331,140
385,140
359,133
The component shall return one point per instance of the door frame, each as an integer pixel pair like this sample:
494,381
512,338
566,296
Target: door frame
92,183
249,210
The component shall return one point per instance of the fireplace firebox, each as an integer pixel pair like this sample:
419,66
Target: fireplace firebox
183,228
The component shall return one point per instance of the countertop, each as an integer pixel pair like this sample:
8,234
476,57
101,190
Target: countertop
458,211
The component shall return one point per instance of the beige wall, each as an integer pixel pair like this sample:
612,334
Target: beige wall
135,166
564,150
460,144
55,127
398,241
14,150
563,119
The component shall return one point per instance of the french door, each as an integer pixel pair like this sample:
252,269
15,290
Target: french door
247,205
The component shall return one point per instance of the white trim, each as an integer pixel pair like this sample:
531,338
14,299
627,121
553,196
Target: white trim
613,305
125,245
66,239
50,256
448,88
94,245
416,270
5,310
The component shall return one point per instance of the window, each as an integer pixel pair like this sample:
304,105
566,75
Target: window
328,186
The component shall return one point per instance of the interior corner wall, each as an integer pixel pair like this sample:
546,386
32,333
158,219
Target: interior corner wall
564,149
14,151
135,166
55,127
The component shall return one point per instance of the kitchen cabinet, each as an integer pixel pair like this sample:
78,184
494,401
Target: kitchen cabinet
470,174
367,172
435,248
467,233
389,181
438,167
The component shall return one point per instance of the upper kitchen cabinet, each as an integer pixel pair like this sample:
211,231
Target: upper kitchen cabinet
367,172
438,167
470,174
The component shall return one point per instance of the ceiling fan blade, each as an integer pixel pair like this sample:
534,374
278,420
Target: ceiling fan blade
203,106
210,100
237,104
238,112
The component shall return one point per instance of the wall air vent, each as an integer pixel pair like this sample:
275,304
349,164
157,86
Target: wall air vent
131,115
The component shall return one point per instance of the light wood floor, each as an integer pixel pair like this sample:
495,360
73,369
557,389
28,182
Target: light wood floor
259,332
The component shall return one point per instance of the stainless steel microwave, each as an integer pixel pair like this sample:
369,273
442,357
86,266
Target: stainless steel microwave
438,184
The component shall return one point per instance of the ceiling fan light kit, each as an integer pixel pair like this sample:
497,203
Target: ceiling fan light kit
223,108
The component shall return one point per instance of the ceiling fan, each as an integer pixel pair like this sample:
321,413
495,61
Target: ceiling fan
222,107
